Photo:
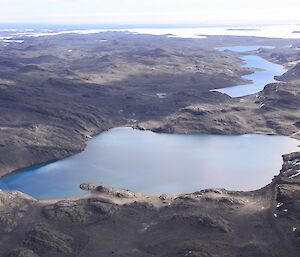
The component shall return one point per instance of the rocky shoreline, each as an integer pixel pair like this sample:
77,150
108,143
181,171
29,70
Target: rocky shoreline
118,222
263,113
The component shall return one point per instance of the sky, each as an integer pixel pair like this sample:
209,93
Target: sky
197,12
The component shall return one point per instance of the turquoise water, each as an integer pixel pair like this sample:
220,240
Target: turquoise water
259,78
144,161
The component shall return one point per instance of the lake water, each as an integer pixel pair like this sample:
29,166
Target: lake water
259,78
144,161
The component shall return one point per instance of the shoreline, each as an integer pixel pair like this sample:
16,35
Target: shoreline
208,217
133,127
93,192
152,194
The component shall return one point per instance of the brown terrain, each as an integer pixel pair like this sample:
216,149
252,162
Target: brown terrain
57,91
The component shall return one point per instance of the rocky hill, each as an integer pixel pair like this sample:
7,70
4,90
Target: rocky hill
275,110
290,75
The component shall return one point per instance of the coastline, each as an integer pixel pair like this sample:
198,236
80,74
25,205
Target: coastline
208,217
107,189
132,127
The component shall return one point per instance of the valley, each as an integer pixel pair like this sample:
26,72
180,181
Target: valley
58,91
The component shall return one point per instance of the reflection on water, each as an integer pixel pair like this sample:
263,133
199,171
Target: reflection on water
144,161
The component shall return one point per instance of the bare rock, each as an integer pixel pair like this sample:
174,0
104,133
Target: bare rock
67,210
13,206
41,238
88,186
22,253
120,193
134,252
81,211
193,248
163,197
201,221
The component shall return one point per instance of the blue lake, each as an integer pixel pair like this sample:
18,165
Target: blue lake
259,78
144,161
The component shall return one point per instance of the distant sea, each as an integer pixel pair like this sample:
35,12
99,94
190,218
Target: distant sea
184,31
